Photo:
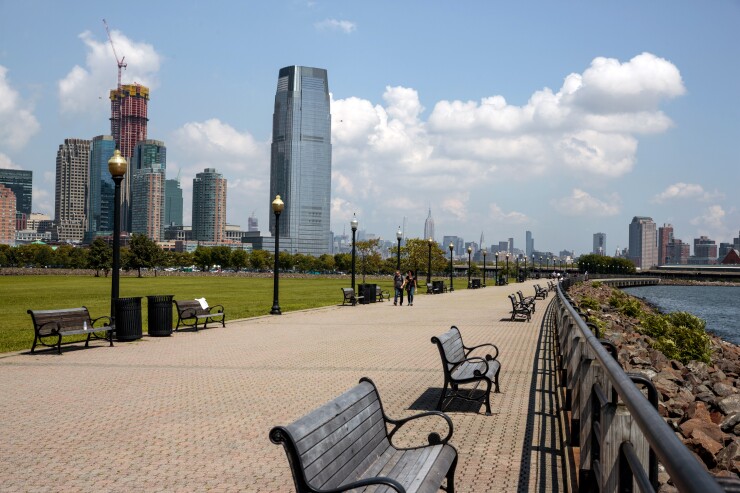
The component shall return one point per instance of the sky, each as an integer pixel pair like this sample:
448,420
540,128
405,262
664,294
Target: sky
561,118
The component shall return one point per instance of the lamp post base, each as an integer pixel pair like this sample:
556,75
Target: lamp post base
275,310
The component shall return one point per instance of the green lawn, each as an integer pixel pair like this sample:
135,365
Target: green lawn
241,297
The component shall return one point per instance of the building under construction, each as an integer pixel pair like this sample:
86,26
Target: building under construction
128,125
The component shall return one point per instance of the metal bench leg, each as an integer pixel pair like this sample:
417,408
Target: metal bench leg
87,341
59,344
33,347
442,396
488,397
450,486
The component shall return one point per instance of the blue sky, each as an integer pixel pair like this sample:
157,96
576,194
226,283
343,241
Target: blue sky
562,118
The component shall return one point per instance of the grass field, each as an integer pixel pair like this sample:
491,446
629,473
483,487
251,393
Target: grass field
241,297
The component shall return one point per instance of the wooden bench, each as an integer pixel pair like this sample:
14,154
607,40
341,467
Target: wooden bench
518,309
345,444
461,368
382,295
349,297
190,313
54,324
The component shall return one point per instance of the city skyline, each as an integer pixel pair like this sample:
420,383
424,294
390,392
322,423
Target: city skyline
542,138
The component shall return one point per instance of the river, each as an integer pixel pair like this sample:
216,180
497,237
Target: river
718,305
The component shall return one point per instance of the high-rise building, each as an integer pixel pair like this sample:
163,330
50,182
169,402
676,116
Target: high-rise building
252,223
7,215
677,252
148,166
599,244
209,206
529,247
172,203
665,237
511,245
128,125
20,182
300,162
73,161
643,247
429,226
147,201
101,189
705,251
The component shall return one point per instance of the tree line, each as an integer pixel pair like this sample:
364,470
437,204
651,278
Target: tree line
143,253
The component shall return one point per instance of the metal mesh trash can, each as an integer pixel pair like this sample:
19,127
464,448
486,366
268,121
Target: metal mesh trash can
128,318
159,315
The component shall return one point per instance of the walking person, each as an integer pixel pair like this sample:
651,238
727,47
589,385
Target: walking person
410,284
398,286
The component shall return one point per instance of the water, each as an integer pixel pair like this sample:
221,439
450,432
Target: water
718,305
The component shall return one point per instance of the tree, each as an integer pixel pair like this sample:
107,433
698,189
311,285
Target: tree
415,256
343,261
369,256
327,263
202,258
100,257
144,253
63,256
260,259
221,255
239,259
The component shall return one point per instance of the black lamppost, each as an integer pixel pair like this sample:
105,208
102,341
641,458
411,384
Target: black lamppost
540,268
117,167
525,267
495,269
429,261
518,273
277,208
485,252
353,223
507,267
451,247
399,235
470,250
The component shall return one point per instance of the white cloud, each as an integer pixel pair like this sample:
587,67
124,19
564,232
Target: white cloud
512,217
580,203
17,123
685,191
85,89
7,163
244,162
344,26
711,221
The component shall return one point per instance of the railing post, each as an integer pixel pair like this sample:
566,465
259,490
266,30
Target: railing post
618,427
592,375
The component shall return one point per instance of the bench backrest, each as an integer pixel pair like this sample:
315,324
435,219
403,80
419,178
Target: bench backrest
326,446
194,305
513,301
348,292
69,318
450,347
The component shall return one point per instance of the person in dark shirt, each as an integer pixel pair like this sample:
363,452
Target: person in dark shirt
398,286
410,284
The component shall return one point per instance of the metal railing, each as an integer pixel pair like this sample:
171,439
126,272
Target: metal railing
617,427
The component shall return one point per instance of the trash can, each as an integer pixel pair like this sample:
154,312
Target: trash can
159,314
438,287
475,283
128,318
368,292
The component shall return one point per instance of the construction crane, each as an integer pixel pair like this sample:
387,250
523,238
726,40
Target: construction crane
121,63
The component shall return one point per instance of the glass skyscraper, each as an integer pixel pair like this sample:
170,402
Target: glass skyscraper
147,155
20,182
209,206
300,164
101,189
172,203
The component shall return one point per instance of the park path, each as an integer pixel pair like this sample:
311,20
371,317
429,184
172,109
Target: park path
192,412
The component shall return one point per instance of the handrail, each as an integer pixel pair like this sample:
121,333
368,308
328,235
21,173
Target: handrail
684,470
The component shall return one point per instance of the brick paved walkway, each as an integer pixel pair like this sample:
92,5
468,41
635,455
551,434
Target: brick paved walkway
192,412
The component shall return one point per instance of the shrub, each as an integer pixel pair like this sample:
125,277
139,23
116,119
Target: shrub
588,302
596,284
625,304
680,335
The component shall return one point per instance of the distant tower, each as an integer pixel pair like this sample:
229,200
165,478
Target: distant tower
429,226
73,158
643,248
300,163
128,124
209,206
172,203
482,241
147,168
599,244
21,183
100,189
529,246
665,238
7,216
252,223
511,246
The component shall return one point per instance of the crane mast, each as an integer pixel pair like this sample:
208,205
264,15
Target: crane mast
120,62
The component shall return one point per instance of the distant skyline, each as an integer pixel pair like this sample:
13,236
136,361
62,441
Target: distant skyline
563,119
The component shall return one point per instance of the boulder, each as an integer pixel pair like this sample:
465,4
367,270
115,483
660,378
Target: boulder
730,421
729,457
698,410
707,428
705,447
724,388
729,404
665,387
